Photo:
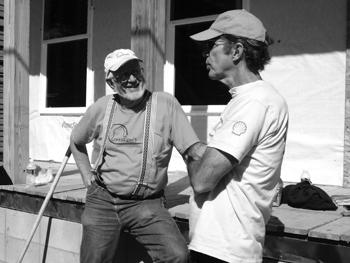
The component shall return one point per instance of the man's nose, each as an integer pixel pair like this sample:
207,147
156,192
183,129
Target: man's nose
205,54
132,77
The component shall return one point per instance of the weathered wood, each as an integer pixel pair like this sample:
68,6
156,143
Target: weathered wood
61,209
1,80
298,221
16,88
332,230
346,173
148,26
345,236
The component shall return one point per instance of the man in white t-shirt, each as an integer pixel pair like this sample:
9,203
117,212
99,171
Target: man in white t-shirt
235,182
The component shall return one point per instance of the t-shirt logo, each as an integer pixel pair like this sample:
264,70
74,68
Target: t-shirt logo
239,127
119,134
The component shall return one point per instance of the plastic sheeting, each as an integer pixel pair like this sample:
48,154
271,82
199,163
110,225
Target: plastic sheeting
308,68
314,87
49,137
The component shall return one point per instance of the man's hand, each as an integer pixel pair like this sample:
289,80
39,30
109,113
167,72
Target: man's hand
195,152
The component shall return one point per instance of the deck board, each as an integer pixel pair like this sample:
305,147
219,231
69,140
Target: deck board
334,230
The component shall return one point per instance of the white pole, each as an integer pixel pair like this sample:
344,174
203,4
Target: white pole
46,201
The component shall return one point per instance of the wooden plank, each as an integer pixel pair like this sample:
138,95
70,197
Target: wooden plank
16,88
76,195
148,38
346,173
1,78
72,193
345,236
333,230
180,211
299,221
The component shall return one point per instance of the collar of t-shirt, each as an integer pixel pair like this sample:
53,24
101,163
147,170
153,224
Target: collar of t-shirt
234,91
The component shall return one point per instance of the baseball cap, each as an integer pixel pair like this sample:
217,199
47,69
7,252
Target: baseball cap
237,22
117,58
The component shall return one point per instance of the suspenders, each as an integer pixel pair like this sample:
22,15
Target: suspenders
107,121
147,145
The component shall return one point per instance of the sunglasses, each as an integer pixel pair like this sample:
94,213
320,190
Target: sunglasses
209,45
121,77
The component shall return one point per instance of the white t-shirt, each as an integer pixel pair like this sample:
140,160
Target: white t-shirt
253,128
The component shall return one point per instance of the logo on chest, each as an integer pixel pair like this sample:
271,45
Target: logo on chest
119,134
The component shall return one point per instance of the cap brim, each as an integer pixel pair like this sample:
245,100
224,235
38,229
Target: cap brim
117,66
206,35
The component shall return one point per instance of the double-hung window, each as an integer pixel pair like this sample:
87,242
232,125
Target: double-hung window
186,75
66,85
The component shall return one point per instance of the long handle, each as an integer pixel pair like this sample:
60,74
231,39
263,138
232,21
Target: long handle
46,201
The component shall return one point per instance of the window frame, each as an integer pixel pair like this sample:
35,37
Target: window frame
169,66
43,110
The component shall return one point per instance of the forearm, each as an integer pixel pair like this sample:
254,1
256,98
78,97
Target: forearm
207,172
193,159
192,168
195,170
81,158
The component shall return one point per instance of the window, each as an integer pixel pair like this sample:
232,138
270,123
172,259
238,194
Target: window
191,83
64,18
66,74
65,54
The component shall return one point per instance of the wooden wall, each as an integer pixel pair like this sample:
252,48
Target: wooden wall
148,25
346,173
16,88
1,79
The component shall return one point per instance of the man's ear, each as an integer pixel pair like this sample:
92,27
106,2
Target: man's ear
237,53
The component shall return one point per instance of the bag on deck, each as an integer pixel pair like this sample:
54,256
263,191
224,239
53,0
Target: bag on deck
307,196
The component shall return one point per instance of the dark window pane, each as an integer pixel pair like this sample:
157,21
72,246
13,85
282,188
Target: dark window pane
186,9
192,85
66,74
65,18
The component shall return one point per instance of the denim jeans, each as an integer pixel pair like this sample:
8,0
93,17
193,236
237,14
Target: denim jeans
148,221
197,257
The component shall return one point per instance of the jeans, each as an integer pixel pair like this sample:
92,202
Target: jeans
197,257
148,221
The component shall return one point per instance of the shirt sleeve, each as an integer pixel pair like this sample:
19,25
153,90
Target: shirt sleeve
88,127
238,131
182,133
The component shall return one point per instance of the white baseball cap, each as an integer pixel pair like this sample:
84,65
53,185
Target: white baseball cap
117,58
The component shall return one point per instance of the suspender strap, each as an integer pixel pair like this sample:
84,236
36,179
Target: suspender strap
148,140
105,127
147,145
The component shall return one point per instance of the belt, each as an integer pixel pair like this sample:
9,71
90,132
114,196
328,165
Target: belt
128,196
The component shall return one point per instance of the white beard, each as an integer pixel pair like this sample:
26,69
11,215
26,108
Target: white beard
131,94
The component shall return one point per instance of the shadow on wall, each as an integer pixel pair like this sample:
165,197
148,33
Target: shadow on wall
18,57
304,27
4,178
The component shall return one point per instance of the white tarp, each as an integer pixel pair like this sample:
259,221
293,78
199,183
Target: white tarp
308,68
314,87
49,137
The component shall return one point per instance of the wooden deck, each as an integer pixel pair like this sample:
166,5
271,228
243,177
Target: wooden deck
290,230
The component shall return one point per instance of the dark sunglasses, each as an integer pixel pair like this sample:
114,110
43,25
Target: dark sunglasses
207,46
124,76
